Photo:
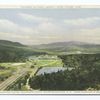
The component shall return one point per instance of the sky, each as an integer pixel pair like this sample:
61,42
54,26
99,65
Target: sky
33,26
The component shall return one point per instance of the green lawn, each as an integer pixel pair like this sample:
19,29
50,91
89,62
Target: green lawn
48,63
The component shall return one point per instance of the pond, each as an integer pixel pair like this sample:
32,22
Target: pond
50,70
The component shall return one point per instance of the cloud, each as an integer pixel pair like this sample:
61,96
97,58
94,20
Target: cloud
11,27
83,29
34,18
50,29
85,35
14,32
6,25
40,33
88,22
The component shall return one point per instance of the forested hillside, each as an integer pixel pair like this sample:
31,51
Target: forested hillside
81,60
15,52
85,74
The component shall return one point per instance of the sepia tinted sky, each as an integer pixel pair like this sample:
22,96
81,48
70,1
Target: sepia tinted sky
41,26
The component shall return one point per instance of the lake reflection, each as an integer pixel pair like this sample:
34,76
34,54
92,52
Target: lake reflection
50,70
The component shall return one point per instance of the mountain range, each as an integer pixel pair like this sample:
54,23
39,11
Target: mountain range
15,51
71,46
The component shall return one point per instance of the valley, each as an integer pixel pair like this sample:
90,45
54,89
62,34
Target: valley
55,66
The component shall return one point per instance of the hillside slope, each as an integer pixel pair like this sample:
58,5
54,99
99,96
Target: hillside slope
15,52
